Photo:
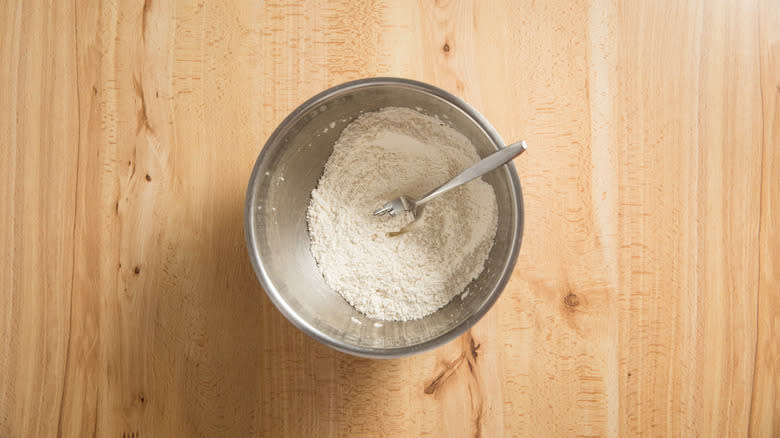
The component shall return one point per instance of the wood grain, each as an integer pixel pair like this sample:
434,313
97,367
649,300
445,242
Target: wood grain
646,299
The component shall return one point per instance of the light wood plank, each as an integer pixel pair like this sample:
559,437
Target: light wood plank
38,173
765,408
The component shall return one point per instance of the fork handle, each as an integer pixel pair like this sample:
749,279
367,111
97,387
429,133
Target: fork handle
481,167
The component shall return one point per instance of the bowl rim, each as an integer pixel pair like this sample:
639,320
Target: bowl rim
278,300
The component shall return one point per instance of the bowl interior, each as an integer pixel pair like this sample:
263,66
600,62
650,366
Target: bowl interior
278,196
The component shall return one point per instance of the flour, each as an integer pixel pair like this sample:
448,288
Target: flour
378,157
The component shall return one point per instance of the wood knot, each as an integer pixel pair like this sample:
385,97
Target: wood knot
474,347
571,300
442,377
446,48
141,398
148,178
137,270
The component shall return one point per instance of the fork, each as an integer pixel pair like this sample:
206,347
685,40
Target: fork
488,164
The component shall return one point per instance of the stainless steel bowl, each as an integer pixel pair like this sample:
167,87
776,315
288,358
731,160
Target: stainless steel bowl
289,168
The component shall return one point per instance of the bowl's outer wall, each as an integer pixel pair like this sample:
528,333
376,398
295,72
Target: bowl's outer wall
278,195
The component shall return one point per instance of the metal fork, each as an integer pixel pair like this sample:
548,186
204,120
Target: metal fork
481,167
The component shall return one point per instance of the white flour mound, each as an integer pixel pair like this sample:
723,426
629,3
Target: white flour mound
378,157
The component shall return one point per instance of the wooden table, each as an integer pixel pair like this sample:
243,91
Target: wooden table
646,298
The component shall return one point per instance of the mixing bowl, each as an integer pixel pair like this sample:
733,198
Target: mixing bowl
288,169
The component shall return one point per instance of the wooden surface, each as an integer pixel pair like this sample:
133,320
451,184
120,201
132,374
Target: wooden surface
646,298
